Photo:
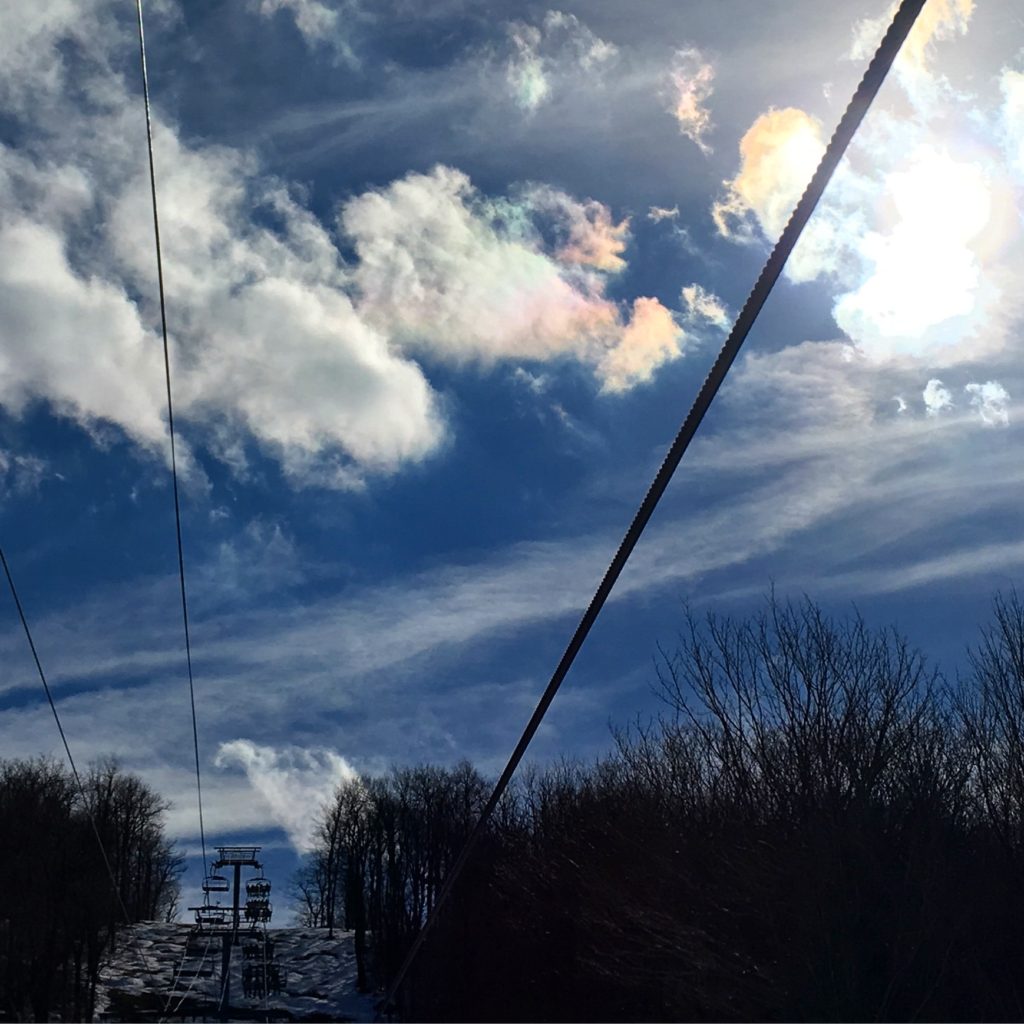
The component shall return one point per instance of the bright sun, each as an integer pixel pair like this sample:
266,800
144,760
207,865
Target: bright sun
923,269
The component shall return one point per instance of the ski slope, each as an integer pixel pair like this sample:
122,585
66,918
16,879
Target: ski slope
318,978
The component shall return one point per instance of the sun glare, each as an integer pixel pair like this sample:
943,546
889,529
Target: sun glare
924,270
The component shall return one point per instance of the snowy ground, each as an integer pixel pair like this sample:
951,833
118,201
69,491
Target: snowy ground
146,976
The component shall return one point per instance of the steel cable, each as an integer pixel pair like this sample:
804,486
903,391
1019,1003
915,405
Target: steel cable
170,426
858,106
195,977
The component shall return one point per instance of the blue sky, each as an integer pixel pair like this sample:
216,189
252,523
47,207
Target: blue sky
442,281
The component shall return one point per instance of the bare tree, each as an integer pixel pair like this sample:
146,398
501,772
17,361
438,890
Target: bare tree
991,708
817,828
59,909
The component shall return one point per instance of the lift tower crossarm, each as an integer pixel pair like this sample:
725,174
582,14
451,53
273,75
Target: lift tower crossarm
242,856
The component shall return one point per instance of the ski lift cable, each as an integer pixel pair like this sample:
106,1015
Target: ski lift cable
195,977
865,93
170,425
177,978
86,804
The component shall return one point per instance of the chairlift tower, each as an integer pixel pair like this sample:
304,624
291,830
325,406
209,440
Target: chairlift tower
239,857
213,918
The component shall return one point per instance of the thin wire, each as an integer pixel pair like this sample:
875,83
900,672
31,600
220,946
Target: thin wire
266,988
175,978
170,425
195,978
86,805
866,91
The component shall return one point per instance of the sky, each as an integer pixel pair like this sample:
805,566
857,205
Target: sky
442,281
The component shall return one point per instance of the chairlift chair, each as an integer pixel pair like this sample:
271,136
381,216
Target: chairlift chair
258,888
216,883
258,948
258,911
277,978
211,916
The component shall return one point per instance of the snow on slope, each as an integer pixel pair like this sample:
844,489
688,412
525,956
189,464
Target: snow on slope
318,983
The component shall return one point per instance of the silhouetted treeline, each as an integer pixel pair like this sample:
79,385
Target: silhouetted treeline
385,846
58,908
818,828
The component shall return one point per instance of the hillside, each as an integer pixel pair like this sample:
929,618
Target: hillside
317,977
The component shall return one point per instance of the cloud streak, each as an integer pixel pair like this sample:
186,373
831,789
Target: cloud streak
807,440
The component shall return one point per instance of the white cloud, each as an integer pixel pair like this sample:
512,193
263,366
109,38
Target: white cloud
650,338
691,77
778,155
452,274
537,383
590,51
32,64
659,213
274,340
990,400
20,474
1012,84
703,307
917,273
527,80
939,20
591,237
804,391
560,47
317,22
439,269
923,270
265,340
256,559
73,340
295,782
936,397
